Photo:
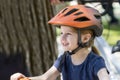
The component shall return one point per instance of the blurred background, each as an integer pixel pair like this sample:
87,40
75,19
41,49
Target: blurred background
28,44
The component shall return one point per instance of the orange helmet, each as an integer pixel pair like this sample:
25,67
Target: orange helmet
79,16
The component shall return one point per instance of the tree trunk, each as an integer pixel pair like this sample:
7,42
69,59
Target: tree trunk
24,27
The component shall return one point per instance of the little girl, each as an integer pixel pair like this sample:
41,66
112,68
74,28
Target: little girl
79,26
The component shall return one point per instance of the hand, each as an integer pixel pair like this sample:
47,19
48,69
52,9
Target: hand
17,76
24,78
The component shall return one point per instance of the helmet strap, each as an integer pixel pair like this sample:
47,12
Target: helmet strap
80,44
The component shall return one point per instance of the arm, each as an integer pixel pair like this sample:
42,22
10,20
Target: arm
51,74
102,74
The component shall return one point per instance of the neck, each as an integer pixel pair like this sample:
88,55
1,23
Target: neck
80,56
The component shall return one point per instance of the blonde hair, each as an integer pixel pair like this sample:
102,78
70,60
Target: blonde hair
95,50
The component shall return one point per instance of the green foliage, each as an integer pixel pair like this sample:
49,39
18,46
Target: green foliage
111,33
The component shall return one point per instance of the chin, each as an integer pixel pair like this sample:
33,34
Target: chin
65,49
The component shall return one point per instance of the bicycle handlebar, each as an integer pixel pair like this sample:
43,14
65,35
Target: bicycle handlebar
24,78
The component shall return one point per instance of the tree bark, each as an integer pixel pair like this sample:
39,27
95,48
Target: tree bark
24,27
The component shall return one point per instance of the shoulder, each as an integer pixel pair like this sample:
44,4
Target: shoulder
97,62
95,58
61,60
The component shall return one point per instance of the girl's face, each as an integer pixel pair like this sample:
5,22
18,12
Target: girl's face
69,38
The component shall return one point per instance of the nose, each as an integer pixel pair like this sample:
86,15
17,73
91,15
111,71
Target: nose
63,38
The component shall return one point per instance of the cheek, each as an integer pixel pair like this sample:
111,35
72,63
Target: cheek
73,44
73,40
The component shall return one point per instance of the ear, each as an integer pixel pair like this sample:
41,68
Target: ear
86,37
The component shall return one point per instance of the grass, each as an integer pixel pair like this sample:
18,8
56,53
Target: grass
111,33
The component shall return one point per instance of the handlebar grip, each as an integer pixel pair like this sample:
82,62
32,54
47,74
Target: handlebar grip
24,78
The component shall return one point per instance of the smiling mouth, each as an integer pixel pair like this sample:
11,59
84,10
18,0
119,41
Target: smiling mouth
65,44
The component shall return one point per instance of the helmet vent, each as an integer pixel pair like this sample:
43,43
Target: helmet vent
78,13
71,11
97,16
82,19
64,10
